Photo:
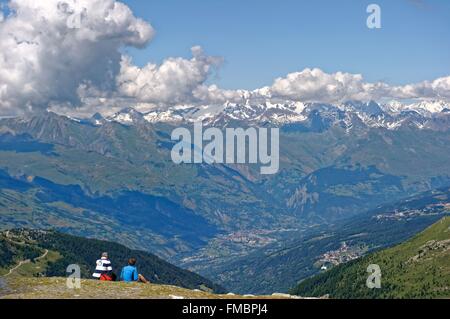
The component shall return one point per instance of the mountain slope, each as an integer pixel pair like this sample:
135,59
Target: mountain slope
22,244
282,264
418,268
116,181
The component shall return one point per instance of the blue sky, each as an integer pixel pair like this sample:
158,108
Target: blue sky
264,39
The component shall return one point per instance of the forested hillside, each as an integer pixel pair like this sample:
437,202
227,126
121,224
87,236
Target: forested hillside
418,268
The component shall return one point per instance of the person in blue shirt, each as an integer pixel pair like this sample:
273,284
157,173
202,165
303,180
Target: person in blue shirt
130,273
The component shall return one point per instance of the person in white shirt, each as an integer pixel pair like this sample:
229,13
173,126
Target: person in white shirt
103,269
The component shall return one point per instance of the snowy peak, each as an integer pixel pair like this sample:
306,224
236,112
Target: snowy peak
351,114
426,108
97,119
370,108
276,113
127,116
430,107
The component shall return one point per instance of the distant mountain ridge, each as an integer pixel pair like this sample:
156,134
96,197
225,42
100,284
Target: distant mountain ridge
392,115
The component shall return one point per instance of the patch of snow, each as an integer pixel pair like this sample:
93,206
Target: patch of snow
124,118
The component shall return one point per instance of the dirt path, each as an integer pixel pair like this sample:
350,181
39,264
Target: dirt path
23,262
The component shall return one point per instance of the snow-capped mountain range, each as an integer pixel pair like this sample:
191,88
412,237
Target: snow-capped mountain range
393,115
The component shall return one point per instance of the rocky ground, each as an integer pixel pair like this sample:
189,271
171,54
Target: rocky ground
17,287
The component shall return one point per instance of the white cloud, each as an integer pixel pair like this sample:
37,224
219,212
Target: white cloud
182,82
437,89
214,95
172,82
46,63
317,86
44,60
314,85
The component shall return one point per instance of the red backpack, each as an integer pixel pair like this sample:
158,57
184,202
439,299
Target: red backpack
106,277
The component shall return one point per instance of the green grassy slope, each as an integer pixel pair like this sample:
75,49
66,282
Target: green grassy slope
417,268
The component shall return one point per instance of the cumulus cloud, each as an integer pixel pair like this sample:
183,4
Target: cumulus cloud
65,55
181,82
172,82
214,95
49,48
314,85
437,89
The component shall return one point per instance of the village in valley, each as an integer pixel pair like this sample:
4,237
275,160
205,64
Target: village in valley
430,210
342,255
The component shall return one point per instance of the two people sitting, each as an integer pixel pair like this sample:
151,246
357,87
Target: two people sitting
129,273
